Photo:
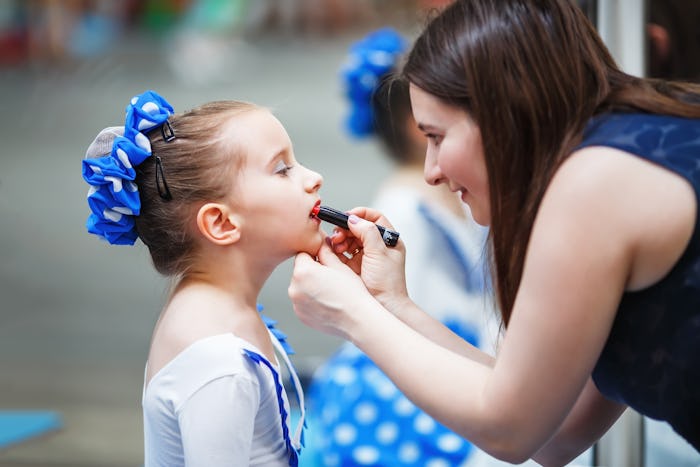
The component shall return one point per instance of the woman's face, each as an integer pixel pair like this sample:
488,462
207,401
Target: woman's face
455,154
273,193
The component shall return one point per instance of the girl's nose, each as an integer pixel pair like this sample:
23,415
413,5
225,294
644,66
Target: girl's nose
314,180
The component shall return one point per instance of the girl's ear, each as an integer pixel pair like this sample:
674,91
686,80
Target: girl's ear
218,224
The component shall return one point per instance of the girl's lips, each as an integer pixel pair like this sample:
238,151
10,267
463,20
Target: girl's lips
315,209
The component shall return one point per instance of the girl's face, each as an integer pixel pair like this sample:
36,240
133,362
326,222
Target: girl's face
455,155
273,193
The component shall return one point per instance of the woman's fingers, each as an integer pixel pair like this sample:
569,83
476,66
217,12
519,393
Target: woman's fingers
343,240
366,232
371,215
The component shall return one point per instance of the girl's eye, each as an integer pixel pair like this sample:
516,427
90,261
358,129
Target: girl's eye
282,168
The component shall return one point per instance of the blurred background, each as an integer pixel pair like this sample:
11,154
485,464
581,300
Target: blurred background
76,313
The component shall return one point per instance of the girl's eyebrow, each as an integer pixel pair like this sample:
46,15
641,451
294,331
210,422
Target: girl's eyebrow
279,155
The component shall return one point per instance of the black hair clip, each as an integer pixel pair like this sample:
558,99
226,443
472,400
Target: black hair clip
167,130
161,184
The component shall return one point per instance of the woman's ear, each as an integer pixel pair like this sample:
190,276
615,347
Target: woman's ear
218,224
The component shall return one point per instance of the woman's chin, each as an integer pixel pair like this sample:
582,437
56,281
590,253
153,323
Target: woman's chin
480,216
484,222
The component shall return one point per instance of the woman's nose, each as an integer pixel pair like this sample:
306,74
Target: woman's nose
431,171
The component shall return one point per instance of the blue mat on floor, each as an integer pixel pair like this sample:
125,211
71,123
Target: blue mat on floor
17,426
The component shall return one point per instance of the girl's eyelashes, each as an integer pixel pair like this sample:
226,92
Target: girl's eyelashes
282,168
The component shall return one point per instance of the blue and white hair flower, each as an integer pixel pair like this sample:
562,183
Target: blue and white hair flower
113,197
368,61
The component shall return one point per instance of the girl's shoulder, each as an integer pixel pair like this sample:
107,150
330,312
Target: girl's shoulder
202,361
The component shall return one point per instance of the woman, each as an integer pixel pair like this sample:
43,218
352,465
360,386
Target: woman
589,179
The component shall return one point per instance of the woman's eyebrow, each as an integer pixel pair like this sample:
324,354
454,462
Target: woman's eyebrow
425,127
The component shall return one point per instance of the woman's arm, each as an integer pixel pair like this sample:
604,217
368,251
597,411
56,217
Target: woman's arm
587,422
383,272
557,330
434,330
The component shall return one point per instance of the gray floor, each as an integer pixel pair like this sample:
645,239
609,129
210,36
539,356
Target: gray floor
76,313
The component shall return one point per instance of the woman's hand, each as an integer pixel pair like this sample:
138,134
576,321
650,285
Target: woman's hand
336,291
381,268
327,294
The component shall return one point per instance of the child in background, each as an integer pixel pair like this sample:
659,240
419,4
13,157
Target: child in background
358,416
219,199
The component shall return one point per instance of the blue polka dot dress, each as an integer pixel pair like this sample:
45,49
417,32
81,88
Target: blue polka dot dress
367,421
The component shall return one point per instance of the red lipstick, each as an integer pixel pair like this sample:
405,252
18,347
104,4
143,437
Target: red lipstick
340,219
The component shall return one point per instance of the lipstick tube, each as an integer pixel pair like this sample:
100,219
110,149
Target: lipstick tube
340,219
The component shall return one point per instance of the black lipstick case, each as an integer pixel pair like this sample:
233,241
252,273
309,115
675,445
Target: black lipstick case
340,219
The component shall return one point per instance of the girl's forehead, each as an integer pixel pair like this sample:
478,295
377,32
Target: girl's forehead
254,121
258,133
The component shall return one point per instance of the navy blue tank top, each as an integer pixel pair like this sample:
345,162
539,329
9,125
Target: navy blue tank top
651,360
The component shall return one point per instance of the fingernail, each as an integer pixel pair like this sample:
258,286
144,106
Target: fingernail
353,219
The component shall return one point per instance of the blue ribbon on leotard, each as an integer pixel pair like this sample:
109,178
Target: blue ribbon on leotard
279,389
281,337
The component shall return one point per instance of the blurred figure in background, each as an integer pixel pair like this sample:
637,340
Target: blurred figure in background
53,31
674,40
673,37
358,416
673,49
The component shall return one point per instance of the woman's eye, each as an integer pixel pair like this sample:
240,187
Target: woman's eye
434,139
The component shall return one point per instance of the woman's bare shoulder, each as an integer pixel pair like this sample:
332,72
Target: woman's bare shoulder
631,202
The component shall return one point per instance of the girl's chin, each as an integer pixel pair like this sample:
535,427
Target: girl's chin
312,245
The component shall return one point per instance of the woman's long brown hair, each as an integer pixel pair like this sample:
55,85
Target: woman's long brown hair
531,73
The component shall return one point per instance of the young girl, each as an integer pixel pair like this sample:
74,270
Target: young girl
219,200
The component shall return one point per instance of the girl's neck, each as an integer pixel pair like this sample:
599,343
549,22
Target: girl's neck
217,296
200,308
241,293
234,275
